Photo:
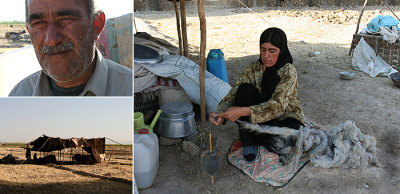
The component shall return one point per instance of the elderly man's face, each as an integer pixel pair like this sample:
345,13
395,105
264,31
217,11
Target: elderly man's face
62,35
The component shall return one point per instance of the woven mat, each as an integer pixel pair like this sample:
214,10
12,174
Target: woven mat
266,167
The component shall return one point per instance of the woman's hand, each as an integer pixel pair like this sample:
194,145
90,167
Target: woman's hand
235,112
215,119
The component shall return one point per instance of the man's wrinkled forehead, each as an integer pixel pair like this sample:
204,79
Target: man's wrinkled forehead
61,12
64,7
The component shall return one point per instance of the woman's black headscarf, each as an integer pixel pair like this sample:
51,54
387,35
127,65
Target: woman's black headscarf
270,78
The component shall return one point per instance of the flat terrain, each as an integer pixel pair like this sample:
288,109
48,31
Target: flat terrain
372,103
112,176
6,45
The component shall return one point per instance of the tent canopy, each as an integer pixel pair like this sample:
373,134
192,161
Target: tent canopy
94,146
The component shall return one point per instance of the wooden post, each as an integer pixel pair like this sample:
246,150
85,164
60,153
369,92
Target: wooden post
184,31
203,41
134,24
359,19
358,23
178,27
392,12
112,151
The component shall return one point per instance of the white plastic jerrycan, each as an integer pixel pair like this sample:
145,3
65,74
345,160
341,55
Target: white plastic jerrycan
145,158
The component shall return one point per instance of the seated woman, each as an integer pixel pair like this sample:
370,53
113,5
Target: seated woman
265,93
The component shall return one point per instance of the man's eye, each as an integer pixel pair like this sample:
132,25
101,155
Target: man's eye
35,23
66,20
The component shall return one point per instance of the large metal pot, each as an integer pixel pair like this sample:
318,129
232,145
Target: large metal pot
176,120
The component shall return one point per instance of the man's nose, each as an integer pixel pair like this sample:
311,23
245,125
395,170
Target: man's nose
53,35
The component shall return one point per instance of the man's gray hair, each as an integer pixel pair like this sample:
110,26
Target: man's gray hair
91,9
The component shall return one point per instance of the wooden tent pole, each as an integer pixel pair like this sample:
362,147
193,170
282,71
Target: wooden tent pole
359,19
358,24
178,27
203,41
134,24
184,31
392,12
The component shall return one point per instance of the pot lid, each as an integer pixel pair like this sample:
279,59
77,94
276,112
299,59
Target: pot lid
145,55
176,108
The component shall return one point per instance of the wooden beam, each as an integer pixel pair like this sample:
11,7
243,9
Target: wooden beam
392,12
178,27
358,23
359,19
184,31
203,44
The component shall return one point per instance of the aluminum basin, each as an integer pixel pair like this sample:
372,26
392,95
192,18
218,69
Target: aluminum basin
176,120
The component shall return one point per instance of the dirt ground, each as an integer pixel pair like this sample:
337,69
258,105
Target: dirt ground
9,46
372,103
112,177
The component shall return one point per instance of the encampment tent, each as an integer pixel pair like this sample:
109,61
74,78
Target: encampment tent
94,146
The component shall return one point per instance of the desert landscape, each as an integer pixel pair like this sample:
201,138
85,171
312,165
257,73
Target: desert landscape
6,45
114,175
372,103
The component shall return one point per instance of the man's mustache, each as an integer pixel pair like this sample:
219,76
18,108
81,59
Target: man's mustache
65,46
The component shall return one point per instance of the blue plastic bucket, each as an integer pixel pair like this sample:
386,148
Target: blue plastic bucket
216,64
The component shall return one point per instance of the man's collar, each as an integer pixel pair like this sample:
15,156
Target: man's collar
97,83
42,86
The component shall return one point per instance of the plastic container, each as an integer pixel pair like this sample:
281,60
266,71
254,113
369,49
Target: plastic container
139,122
145,158
216,64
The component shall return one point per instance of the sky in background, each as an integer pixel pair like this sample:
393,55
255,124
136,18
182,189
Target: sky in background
15,9
24,119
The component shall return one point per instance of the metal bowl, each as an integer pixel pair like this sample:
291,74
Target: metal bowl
176,120
395,78
146,55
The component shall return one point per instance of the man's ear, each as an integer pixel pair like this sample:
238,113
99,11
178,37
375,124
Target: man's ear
99,20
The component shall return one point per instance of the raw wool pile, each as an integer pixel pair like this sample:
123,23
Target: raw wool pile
343,146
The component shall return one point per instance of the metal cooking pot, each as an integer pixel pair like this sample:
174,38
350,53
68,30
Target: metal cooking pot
176,120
